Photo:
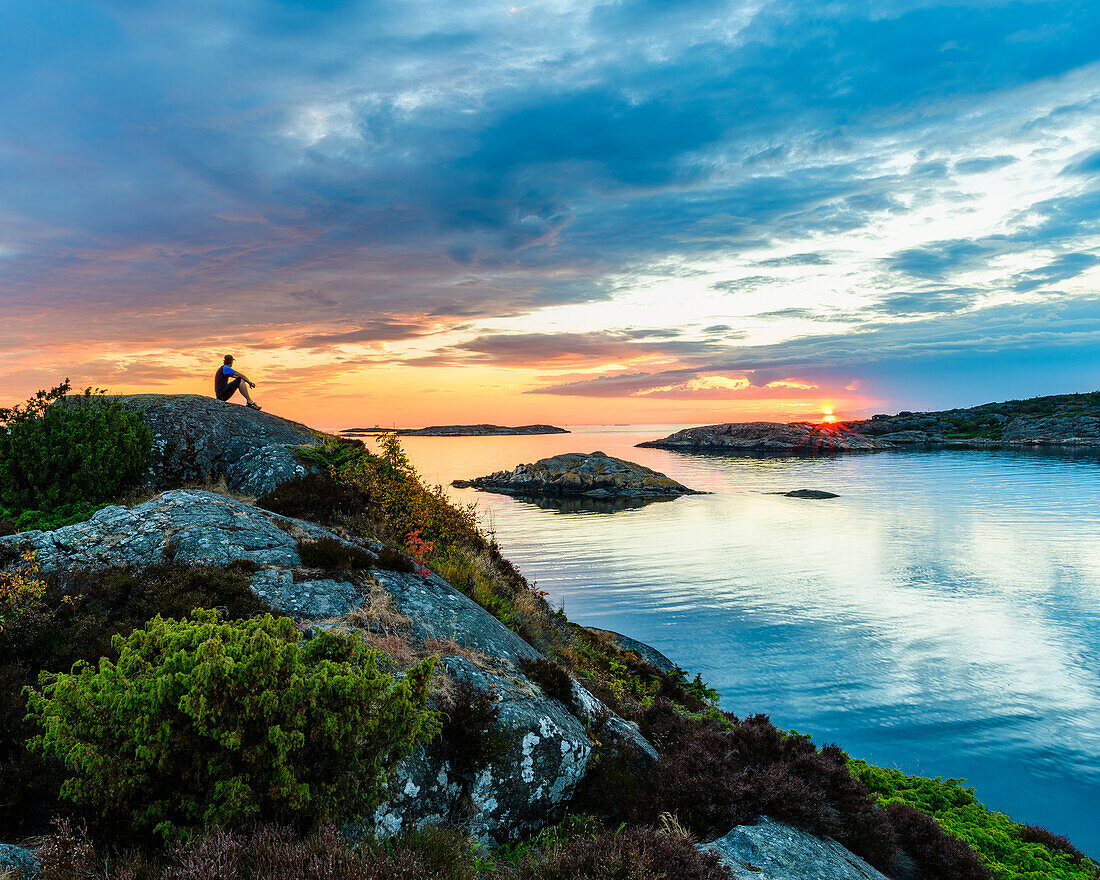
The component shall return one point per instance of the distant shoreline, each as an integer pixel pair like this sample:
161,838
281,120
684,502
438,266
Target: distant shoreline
457,431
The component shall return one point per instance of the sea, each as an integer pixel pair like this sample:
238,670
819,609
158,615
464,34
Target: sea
941,616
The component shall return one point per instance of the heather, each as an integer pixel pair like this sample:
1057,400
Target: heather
576,850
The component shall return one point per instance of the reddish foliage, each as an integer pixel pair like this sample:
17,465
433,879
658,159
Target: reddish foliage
939,855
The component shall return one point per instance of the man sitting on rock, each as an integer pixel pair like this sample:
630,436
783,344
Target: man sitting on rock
225,384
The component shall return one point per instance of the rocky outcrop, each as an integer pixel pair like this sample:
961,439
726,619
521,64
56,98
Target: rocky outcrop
1064,421
544,757
200,527
202,439
796,438
771,850
647,652
591,475
548,744
458,431
15,861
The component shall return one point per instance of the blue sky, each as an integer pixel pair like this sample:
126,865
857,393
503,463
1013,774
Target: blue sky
657,211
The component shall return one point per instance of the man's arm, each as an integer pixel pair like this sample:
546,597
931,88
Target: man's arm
244,378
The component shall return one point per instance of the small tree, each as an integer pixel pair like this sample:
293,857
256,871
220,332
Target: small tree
57,450
201,723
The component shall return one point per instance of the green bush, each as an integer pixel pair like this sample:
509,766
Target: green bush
201,723
57,451
1011,850
75,619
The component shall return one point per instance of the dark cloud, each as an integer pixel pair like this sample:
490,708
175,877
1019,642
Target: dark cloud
992,343
181,171
1062,269
595,347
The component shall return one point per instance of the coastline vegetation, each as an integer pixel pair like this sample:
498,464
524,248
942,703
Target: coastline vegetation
63,456
123,686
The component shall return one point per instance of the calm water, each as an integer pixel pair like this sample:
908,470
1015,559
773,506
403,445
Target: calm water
941,616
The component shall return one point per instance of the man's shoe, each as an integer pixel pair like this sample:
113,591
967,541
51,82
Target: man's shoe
253,405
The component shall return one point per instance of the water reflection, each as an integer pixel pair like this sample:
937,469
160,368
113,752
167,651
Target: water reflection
942,614
588,504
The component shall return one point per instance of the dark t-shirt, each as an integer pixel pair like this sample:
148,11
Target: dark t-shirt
221,379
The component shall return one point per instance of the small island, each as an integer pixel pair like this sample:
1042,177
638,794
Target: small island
591,475
457,431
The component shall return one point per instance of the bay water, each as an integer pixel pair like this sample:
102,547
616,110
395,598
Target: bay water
942,615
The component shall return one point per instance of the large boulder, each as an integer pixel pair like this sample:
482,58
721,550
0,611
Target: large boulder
202,439
545,755
771,850
200,527
772,438
592,475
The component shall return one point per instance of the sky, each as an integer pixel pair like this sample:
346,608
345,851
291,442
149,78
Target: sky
684,211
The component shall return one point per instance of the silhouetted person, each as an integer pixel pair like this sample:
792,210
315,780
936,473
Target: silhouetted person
227,380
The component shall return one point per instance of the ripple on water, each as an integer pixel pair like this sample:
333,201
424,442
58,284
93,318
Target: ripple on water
941,615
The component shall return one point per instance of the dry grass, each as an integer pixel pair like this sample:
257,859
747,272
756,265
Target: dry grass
378,613
451,648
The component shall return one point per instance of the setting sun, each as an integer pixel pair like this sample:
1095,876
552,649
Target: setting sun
828,416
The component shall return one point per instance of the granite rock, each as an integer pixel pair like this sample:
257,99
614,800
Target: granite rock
202,439
593,475
795,438
516,791
771,850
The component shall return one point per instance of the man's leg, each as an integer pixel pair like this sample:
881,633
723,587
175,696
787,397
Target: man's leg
244,390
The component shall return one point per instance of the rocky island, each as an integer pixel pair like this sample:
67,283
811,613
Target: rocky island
591,475
1066,421
502,717
457,431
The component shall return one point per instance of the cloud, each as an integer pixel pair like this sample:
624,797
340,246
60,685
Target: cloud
353,172
1062,268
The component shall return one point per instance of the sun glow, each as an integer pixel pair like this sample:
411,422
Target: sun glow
828,417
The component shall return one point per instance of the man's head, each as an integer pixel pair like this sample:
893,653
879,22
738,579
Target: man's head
228,360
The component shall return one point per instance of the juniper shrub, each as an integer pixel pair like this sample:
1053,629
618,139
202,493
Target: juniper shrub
201,723
58,450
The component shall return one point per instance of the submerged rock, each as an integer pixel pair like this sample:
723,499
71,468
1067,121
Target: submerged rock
809,493
202,439
592,475
795,438
771,850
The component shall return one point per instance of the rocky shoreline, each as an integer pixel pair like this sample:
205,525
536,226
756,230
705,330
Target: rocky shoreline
553,729
1070,421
